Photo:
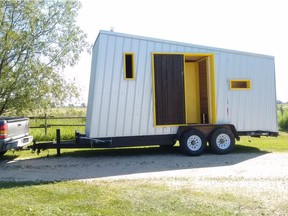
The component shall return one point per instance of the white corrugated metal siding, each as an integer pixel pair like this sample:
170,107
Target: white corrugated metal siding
248,110
118,107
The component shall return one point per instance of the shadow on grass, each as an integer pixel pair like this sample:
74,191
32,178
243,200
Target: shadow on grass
5,158
13,184
248,149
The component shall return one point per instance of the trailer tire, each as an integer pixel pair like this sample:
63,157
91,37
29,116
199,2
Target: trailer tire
2,153
193,143
222,141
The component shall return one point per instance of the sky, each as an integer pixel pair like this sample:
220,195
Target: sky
257,26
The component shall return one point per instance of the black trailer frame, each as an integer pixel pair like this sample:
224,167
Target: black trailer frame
205,132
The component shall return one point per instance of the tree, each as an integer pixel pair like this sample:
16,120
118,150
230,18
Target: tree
38,38
279,102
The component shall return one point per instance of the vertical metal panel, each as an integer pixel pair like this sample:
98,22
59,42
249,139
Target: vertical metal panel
118,107
90,111
248,110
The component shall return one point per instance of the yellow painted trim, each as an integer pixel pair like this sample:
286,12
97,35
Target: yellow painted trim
212,84
196,88
198,93
133,66
248,84
185,87
154,93
213,89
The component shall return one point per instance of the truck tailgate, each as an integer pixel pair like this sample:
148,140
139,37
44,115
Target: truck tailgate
17,127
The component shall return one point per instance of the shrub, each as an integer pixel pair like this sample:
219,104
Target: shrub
283,122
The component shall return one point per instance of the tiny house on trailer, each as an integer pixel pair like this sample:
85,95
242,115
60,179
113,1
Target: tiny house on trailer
146,91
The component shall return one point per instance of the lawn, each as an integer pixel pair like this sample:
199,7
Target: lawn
266,144
67,132
123,197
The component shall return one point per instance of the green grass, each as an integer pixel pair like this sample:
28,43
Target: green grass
67,132
265,144
283,117
124,197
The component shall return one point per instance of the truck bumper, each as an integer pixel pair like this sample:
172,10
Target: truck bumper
16,143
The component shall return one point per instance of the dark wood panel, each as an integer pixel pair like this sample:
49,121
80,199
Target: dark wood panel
169,89
203,90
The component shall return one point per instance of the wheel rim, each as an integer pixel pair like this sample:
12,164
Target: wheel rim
223,141
194,143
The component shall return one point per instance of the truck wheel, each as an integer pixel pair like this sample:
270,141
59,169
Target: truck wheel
193,143
222,141
2,153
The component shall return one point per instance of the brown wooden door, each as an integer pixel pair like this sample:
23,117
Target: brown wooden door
169,89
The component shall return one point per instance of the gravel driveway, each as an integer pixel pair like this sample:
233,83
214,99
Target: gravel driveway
146,163
265,175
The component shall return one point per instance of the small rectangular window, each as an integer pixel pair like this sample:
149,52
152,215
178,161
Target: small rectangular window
240,84
129,66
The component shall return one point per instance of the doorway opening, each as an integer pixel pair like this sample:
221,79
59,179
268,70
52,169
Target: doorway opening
184,88
199,89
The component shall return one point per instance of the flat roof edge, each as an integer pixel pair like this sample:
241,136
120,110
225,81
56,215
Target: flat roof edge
215,49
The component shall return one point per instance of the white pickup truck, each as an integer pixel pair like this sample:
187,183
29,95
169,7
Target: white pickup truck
14,133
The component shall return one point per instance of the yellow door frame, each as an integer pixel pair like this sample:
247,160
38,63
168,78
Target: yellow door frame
210,79
210,82
192,93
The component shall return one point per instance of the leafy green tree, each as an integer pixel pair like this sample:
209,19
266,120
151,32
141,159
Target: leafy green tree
38,38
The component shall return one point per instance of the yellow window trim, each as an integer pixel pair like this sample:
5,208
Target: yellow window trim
240,84
153,89
212,84
132,66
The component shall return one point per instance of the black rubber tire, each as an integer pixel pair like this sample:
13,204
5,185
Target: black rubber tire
193,143
222,141
2,153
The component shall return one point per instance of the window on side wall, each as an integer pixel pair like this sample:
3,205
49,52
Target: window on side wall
129,73
240,84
